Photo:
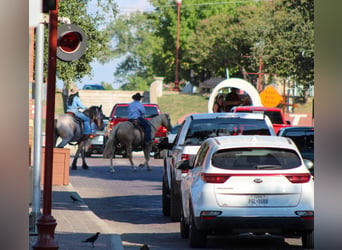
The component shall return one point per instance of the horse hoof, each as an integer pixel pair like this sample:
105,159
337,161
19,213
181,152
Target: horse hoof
74,168
141,165
149,169
85,167
134,169
112,171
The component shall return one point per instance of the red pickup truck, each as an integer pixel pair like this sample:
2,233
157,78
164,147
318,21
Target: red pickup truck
275,114
119,114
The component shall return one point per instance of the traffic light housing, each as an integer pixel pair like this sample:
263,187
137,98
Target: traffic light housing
71,42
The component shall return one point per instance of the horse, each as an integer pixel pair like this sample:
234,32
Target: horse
127,135
70,130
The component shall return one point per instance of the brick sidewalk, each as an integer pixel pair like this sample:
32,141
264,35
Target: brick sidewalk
75,222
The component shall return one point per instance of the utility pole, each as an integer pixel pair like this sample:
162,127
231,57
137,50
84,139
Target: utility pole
46,223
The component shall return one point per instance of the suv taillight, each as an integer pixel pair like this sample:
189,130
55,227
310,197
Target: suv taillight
214,178
299,178
185,157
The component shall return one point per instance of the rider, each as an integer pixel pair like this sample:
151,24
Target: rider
135,112
74,103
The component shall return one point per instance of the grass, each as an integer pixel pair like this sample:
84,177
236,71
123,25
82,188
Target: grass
178,105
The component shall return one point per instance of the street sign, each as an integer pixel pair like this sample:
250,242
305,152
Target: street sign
270,97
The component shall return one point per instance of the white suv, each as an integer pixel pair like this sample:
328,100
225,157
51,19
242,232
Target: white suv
193,131
247,184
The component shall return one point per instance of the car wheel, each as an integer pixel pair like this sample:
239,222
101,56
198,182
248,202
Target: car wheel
165,199
184,228
308,240
197,238
175,208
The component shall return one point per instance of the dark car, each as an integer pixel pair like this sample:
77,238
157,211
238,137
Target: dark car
303,137
119,114
93,87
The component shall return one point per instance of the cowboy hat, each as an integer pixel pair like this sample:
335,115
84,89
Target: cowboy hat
73,90
137,96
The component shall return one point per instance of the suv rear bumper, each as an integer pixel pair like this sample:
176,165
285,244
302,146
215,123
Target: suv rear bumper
281,225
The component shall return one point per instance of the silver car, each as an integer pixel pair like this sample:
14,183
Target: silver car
193,131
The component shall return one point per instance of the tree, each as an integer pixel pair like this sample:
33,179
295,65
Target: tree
136,44
93,25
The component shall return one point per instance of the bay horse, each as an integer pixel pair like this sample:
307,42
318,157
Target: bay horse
127,135
70,130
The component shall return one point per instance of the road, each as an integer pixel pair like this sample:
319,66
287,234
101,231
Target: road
130,203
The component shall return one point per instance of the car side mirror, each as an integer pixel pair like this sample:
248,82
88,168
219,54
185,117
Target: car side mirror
309,164
164,143
183,165
288,122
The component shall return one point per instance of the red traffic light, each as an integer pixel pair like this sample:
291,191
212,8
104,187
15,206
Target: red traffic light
71,42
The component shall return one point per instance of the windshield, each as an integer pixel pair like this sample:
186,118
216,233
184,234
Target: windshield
202,129
122,111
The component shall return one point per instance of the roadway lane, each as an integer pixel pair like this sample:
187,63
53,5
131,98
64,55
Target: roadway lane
130,203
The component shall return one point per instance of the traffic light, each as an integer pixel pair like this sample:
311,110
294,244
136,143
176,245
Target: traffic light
71,42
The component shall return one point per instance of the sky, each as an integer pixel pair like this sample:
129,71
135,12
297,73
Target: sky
104,73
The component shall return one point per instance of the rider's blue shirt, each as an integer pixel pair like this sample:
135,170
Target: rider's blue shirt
76,104
136,110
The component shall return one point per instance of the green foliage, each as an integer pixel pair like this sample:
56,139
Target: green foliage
178,105
93,26
215,36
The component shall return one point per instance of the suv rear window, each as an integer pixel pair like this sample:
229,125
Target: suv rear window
256,159
202,129
122,111
274,116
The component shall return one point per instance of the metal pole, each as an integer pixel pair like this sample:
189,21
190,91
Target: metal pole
35,213
176,88
259,88
46,223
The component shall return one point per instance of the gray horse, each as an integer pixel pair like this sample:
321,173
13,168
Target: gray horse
71,131
126,135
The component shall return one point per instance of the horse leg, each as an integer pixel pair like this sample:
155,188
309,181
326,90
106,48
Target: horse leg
129,152
74,162
147,150
82,149
112,170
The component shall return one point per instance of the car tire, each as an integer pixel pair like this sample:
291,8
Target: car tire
165,198
197,238
308,240
175,208
184,228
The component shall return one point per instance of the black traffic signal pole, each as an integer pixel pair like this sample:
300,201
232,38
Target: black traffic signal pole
46,224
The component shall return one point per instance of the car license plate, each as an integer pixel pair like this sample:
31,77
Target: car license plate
258,200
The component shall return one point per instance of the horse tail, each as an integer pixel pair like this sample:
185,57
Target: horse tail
108,151
56,133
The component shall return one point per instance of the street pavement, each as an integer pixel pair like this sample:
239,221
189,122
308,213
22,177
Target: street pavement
75,223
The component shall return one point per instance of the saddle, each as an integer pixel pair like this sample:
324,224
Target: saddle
77,120
137,125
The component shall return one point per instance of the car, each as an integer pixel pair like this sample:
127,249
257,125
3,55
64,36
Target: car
92,87
193,131
96,144
96,141
275,114
171,135
247,184
303,137
119,113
